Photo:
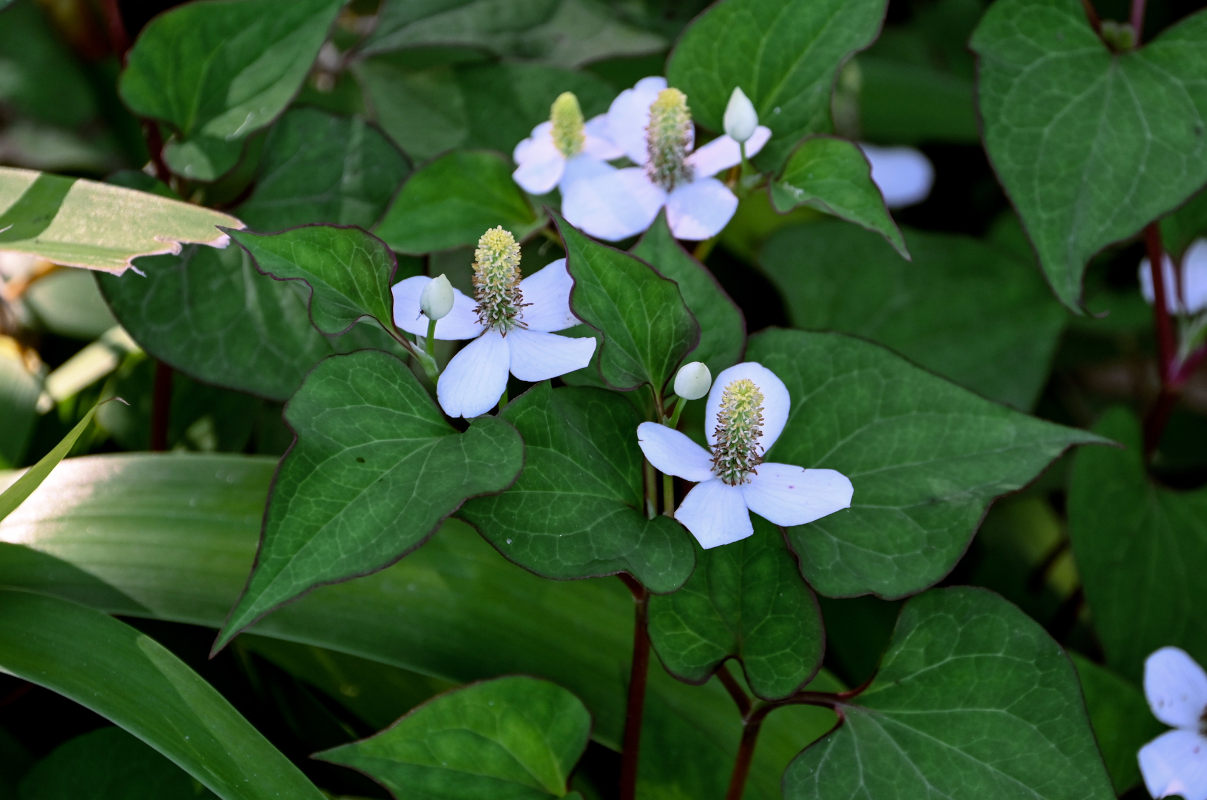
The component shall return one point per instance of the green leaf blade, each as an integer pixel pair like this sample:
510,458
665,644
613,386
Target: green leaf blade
27,484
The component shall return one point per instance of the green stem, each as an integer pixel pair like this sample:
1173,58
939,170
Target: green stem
430,345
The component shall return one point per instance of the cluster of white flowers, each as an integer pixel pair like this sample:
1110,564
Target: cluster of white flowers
1175,763
1191,296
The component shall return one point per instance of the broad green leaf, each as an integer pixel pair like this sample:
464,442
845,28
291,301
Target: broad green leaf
139,685
23,487
349,272
374,470
784,55
107,764
33,57
565,32
67,302
832,175
926,459
961,308
1122,720
746,601
172,537
1127,531
218,72
973,698
722,327
453,200
576,509
515,737
492,106
1090,145
82,223
646,327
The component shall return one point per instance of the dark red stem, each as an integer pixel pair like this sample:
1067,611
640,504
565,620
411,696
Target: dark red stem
740,698
638,675
119,40
741,763
1091,15
161,404
1137,18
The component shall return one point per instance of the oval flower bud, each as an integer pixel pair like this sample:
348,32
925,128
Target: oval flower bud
692,381
437,298
740,117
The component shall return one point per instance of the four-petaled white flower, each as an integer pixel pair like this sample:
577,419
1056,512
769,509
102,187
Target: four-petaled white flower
1193,295
511,323
653,126
563,149
1175,763
902,174
746,412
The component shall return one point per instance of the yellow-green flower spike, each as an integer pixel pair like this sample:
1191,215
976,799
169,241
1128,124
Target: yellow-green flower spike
497,281
666,139
739,425
567,119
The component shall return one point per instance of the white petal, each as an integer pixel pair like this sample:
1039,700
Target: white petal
548,292
673,453
537,356
1175,763
541,170
630,113
776,403
1176,688
903,175
582,166
715,513
723,152
1167,277
1194,280
791,495
460,323
475,378
541,133
598,143
700,209
613,206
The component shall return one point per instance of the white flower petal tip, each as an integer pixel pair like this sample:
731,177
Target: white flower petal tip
673,453
1176,688
1175,764
700,210
475,378
614,205
1194,280
791,495
547,291
776,402
715,514
903,175
537,356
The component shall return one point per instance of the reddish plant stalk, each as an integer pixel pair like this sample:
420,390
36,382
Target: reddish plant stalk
638,676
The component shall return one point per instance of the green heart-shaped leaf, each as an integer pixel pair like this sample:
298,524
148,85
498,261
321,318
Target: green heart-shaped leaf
973,698
373,471
784,54
832,175
925,457
1122,720
1090,145
514,737
646,327
1128,531
575,511
747,601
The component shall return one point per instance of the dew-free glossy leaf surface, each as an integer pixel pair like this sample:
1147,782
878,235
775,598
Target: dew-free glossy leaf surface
373,471
646,326
83,223
925,458
1127,531
139,685
972,699
219,71
722,326
348,272
576,509
1090,145
172,537
515,737
832,175
784,55
747,601
453,200
970,311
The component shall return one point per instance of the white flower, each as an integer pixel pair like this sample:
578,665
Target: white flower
903,175
653,126
746,412
436,299
692,380
510,322
1175,763
740,118
563,149
1194,280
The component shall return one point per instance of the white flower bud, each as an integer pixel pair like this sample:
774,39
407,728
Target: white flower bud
740,117
692,381
437,298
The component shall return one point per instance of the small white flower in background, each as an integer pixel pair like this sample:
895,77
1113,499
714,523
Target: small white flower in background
1194,280
746,412
740,120
562,149
903,175
436,299
692,380
510,322
1175,763
652,125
